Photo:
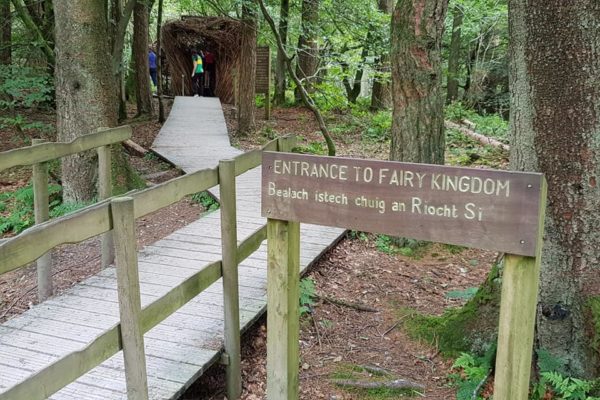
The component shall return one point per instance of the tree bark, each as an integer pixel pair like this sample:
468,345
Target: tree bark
381,96
418,118
143,92
280,81
247,70
5,33
84,87
454,56
159,84
308,48
555,126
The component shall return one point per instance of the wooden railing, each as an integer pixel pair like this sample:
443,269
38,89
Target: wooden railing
37,156
118,214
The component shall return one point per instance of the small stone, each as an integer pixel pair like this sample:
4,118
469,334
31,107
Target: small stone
305,366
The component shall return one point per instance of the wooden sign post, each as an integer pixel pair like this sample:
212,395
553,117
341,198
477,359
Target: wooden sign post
488,209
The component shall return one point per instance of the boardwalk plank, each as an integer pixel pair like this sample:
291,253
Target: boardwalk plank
181,347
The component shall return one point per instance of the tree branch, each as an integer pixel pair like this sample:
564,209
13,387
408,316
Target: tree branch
117,51
308,101
31,26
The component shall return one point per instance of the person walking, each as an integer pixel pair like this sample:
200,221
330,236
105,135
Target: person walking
197,74
153,67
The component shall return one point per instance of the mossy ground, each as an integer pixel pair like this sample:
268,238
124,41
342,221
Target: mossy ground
460,329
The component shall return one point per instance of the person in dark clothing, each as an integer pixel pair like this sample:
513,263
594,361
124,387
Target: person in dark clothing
197,74
210,72
152,63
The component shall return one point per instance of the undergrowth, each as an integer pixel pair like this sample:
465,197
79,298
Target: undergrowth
17,213
205,200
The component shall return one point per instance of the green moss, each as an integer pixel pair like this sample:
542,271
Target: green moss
460,329
594,305
124,178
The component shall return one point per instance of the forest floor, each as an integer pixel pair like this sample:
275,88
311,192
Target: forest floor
338,340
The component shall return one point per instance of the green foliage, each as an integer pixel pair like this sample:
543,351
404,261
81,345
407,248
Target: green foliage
379,127
389,245
24,87
552,377
491,125
317,148
466,294
16,208
307,295
470,371
205,200
567,388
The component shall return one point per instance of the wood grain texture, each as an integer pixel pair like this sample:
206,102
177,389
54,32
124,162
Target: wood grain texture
129,298
41,209
489,209
229,251
184,330
518,304
50,151
283,318
36,241
105,192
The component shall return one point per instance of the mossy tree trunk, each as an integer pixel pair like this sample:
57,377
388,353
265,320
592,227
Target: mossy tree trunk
308,47
280,67
139,47
247,70
418,118
555,129
84,87
381,96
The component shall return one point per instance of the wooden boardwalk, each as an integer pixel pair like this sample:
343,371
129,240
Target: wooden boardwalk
184,345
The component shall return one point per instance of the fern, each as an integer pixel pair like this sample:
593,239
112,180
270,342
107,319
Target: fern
307,294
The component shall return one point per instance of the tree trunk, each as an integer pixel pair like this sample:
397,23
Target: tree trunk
381,96
555,126
159,86
116,15
418,118
454,56
84,87
353,90
5,33
308,48
280,81
139,48
247,70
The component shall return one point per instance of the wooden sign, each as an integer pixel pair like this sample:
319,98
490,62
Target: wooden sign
263,70
482,208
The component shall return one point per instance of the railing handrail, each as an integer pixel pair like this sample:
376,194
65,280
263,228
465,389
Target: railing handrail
52,150
95,220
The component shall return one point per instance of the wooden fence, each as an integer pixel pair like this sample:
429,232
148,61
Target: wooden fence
37,155
118,215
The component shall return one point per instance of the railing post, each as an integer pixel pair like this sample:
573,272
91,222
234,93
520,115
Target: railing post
182,84
42,211
283,312
105,192
129,298
283,269
230,278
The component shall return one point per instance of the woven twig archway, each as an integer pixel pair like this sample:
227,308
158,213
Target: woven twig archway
220,36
